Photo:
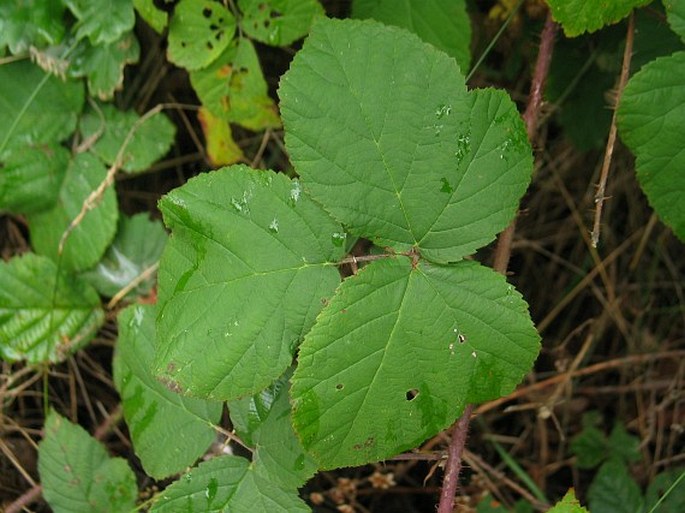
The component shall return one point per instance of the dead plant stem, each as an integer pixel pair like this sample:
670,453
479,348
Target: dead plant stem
609,151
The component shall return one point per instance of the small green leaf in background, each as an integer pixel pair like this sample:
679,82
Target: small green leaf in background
102,21
30,23
169,431
233,88
44,314
653,37
138,245
103,64
278,22
675,10
153,16
77,474
150,139
31,177
88,241
227,483
403,155
578,16
568,504
651,122
264,421
443,23
591,446
399,351
671,482
243,276
200,30
50,115
614,490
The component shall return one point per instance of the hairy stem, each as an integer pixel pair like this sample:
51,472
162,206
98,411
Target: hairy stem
502,254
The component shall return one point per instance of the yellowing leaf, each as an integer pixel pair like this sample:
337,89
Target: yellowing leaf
221,148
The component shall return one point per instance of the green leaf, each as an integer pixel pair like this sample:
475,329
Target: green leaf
264,421
669,485
399,351
200,30
242,278
278,22
675,10
87,242
36,23
623,445
651,121
226,484
233,88
443,23
568,504
653,37
153,16
51,105
614,490
590,447
137,246
150,139
384,133
102,21
578,16
44,314
169,431
31,177
77,474
103,65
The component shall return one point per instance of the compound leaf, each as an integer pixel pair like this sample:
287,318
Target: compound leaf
384,134
199,31
137,246
77,474
278,22
399,351
44,314
578,16
102,21
264,421
31,177
244,274
150,138
225,484
169,431
88,241
233,88
36,108
651,121
443,23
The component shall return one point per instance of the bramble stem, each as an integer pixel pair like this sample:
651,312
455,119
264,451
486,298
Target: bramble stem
502,254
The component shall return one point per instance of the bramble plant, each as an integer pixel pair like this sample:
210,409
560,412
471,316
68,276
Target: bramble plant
335,309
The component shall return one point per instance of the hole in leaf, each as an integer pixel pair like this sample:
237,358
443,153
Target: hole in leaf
213,27
339,386
206,12
183,44
210,46
275,14
411,394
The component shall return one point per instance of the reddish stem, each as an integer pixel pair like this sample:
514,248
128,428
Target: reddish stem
502,254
